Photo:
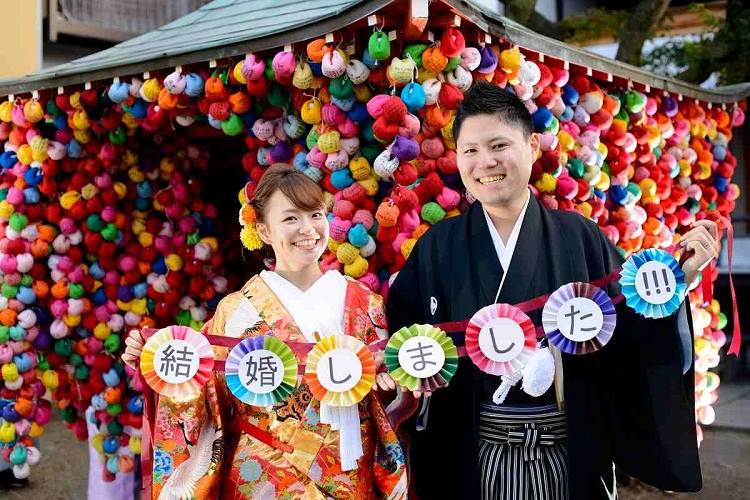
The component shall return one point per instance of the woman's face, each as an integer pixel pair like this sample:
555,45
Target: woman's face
298,237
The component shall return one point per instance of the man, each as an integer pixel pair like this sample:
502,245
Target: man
631,402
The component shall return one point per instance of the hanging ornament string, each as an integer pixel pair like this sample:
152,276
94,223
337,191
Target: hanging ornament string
734,347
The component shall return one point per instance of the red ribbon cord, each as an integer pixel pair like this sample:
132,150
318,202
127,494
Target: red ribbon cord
734,347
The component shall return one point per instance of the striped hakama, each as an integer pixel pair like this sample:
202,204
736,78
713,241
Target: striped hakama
522,452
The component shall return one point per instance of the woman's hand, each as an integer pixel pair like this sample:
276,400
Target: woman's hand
133,348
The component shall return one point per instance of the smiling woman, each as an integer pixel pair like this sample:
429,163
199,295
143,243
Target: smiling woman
299,447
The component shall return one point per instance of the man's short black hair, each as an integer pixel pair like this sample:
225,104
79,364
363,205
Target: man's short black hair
484,98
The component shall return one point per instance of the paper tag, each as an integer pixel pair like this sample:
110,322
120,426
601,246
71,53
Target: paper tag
146,75
648,88
35,94
501,339
287,48
655,282
566,65
261,371
329,37
710,105
372,20
116,80
580,319
430,36
541,57
589,72
60,90
339,370
679,97
350,49
724,106
178,69
11,97
176,361
392,35
87,86
421,356
457,20
212,63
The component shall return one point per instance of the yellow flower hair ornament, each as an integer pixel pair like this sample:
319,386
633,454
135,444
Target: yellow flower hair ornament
249,234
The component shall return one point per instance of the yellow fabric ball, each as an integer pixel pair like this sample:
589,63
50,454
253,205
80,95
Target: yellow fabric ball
146,239
237,72
50,379
329,142
312,111
7,432
6,209
150,90
75,100
81,120
135,445
120,189
102,331
72,320
333,245
89,191
174,262
362,93
139,306
347,253
546,184
360,168
357,269
96,442
69,199
24,154
82,136
370,184
136,174
6,111
10,372
407,246
36,430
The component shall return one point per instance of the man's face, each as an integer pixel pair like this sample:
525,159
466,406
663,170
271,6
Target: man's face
494,159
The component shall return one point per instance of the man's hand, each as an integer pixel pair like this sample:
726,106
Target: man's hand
702,244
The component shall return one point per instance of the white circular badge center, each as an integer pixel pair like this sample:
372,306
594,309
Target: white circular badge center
501,339
580,319
339,370
655,282
421,356
176,361
261,371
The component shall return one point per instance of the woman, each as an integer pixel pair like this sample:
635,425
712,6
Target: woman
241,451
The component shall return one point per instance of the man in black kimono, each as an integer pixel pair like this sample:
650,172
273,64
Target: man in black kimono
630,403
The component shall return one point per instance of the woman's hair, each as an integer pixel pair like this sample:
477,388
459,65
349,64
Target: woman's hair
303,192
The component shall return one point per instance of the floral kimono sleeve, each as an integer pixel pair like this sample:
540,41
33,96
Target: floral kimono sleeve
189,436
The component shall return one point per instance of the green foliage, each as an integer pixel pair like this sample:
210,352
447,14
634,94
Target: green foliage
726,49
595,23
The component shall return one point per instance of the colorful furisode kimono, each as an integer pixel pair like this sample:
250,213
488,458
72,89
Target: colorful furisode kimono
215,446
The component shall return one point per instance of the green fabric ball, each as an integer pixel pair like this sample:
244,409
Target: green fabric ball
341,87
95,223
415,51
432,212
379,46
75,290
9,291
312,138
112,343
4,334
118,136
576,168
18,222
277,95
114,427
75,359
114,409
63,347
233,125
370,152
109,233
183,318
81,372
453,63
69,414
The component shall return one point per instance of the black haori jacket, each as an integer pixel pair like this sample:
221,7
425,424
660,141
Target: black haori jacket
628,403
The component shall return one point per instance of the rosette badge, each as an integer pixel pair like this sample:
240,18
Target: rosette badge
653,283
579,318
421,358
261,371
176,362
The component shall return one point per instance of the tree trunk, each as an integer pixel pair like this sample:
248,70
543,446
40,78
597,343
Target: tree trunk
638,28
522,11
